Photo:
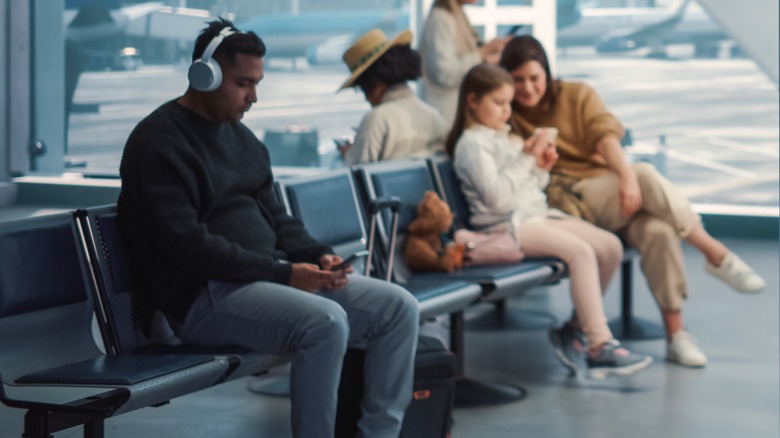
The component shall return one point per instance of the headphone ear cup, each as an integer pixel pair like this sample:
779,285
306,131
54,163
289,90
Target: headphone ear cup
205,76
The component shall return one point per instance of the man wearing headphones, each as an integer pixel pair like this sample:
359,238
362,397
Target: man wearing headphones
213,249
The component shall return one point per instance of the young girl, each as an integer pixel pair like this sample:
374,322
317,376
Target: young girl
503,178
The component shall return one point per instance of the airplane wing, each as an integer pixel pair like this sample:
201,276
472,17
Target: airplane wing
635,37
94,21
131,13
567,13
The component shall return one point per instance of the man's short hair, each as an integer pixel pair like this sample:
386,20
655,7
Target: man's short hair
247,43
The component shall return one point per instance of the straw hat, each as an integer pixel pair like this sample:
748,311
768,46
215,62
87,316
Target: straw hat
368,49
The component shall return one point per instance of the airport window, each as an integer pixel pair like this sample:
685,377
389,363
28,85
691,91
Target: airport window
507,2
701,109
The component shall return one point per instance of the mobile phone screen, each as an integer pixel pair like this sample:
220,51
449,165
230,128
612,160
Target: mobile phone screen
514,30
350,260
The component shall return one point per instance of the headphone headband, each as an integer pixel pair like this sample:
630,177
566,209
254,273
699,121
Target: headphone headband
212,47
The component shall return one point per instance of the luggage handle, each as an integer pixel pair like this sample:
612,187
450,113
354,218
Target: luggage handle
375,207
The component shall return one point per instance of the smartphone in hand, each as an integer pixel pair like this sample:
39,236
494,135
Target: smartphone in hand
513,31
343,142
552,133
350,260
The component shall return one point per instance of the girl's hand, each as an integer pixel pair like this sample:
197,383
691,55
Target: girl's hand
547,159
537,144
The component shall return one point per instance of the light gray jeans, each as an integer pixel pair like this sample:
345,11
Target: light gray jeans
316,328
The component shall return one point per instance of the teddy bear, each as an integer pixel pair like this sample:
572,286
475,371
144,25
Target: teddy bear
428,247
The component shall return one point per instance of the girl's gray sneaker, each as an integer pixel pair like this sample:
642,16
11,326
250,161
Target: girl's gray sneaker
612,359
569,344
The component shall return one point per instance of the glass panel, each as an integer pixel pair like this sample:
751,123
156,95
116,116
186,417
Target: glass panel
515,2
696,106
480,31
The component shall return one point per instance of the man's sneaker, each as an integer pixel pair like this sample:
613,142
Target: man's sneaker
682,349
737,274
569,346
612,359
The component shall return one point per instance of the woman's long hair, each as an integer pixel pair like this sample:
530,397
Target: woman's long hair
522,49
481,80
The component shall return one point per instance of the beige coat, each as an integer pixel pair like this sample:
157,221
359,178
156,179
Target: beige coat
444,62
399,127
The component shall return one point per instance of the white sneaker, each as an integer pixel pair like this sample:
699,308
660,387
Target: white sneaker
737,274
682,349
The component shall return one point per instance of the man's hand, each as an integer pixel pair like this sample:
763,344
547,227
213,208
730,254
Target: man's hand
327,262
630,196
309,277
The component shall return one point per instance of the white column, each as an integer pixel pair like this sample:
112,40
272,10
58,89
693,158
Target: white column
7,193
19,89
48,81
545,29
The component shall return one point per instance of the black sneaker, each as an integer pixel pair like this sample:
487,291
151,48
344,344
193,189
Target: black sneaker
569,344
612,359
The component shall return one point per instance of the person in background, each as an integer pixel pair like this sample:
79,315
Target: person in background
213,249
399,124
595,179
502,178
449,48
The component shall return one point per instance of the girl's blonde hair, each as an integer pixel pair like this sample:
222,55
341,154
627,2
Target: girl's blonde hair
481,80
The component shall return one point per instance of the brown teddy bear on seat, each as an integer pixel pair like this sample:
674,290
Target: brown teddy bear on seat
428,245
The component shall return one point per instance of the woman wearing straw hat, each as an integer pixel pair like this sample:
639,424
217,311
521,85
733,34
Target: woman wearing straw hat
449,48
399,123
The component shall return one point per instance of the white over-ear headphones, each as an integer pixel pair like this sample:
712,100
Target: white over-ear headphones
205,74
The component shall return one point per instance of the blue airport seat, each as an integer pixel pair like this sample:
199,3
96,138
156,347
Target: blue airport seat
332,211
408,180
111,270
329,208
624,327
50,363
326,204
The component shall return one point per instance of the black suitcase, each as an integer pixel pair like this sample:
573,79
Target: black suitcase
430,413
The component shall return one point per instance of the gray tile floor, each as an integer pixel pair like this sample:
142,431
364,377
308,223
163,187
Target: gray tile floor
736,395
